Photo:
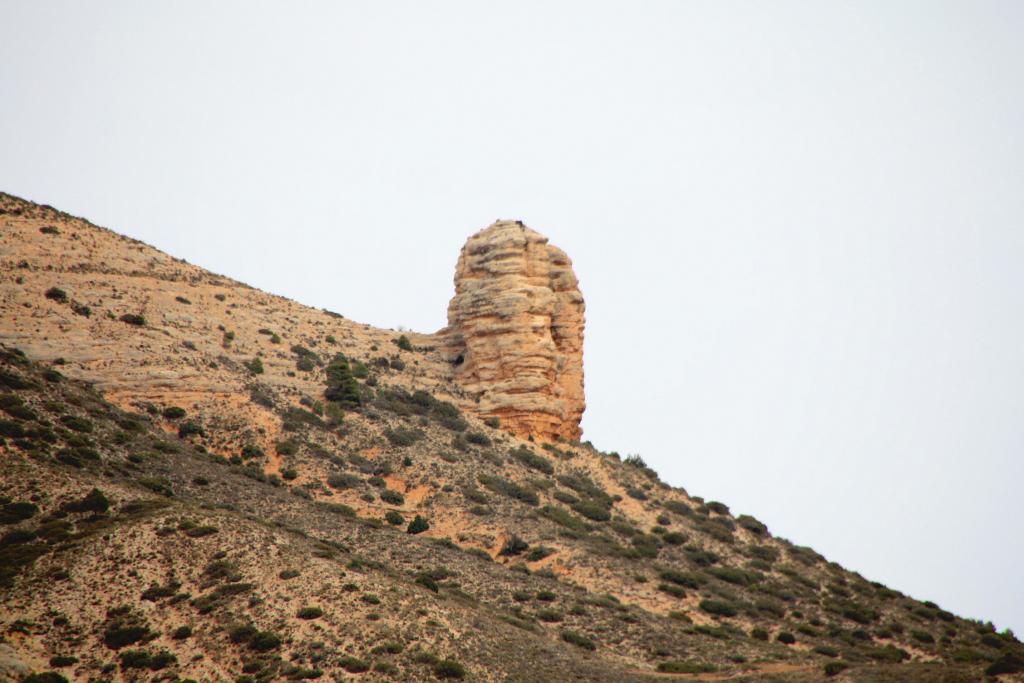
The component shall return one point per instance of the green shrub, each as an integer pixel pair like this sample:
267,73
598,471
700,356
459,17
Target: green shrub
478,438
255,366
514,546
680,578
265,641
190,428
833,668
449,669
142,659
509,488
393,518
353,665
310,613
63,660
342,387
759,634
532,460
593,511
57,294
1009,663
12,513
403,343
719,608
427,581
752,525
786,638
94,501
133,319
402,436
173,413
826,650
418,525
118,635
578,639
680,667
45,677
76,424
182,632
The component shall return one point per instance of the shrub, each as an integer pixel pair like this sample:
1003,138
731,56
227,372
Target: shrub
478,438
680,578
492,422
679,667
539,553
76,424
45,677
591,510
393,518
673,590
63,660
427,581
509,488
514,546
1007,664
182,300
674,538
717,508
94,501
759,634
402,436
343,480
786,638
56,294
310,613
827,651
532,460
449,669
353,665
418,525
173,413
142,659
833,668
181,633
752,525
342,387
255,366
133,319
403,343
578,639
119,634
12,513
719,608
265,641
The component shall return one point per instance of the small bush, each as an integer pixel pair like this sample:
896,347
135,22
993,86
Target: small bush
310,613
393,518
94,501
265,641
418,525
403,343
63,660
255,366
786,638
578,639
182,632
57,294
833,668
679,667
173,413
719,608
133,319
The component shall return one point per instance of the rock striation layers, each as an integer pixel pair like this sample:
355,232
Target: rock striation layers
515,331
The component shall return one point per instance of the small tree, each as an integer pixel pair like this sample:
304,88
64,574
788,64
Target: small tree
342,387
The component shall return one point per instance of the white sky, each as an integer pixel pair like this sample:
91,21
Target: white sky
799,226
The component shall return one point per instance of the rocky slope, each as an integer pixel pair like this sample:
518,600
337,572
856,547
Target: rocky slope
283,494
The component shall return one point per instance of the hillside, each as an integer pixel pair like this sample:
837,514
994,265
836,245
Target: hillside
204,481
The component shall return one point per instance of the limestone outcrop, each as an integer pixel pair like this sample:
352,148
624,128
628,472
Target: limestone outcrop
515,331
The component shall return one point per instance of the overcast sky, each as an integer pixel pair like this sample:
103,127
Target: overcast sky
798,226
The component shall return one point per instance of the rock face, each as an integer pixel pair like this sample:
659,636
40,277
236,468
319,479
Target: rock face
515,331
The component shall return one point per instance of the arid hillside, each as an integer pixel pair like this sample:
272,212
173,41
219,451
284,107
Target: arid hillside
202,481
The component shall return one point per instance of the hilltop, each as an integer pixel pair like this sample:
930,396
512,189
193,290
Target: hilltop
204,481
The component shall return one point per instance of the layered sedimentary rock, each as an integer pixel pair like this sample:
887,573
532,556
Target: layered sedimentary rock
515,331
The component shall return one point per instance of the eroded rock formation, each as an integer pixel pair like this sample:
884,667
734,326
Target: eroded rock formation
515,331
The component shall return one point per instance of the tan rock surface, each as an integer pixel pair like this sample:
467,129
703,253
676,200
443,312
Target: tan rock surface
515,331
